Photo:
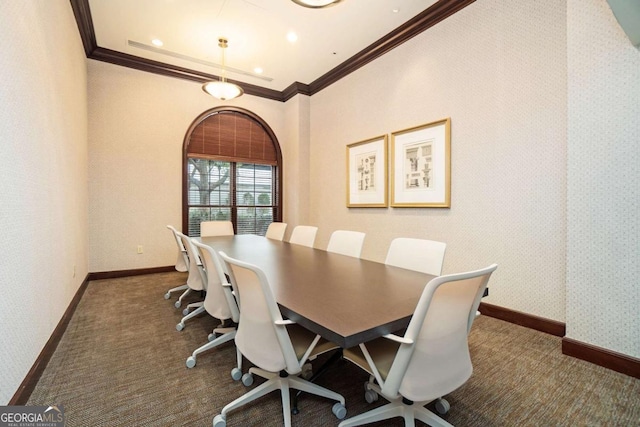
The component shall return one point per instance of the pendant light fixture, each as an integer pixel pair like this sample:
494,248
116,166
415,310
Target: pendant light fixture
222,89
315,4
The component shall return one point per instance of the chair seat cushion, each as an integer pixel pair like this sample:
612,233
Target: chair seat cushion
382,351
302,338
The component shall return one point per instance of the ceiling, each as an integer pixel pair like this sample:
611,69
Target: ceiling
331,42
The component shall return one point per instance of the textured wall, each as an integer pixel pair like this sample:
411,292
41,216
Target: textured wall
43,171
603,245
296,153
137,124
498,69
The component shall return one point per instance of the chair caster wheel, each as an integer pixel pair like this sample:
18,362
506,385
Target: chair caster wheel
219,421
167,295
185,311
191,362
177,304
236,374
370,396
307,371
339,411
442,406
247,379
180,326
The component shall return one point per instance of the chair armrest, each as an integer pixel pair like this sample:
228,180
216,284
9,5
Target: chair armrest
396,338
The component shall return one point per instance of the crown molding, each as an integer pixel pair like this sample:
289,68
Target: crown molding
421,22
162,68
294,89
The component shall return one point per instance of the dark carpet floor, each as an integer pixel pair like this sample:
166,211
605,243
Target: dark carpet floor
121,362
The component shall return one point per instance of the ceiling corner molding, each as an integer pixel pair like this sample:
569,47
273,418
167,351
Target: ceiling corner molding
82,14
294,89
421,22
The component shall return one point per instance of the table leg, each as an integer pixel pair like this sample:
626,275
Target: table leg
323,368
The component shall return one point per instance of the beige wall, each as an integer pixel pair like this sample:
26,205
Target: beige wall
498,70
603,245
297,161
137,124
43,171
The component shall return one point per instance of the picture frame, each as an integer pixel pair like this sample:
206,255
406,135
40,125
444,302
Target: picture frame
421,166
367,173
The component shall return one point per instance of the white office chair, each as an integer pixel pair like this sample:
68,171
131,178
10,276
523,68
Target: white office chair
216,228
277,347
430,360
421,255
219,303
181,263
346,243
304,235
208,229
276,230
196,280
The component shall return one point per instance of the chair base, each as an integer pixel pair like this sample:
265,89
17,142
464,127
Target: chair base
226,337
395,408
191,306
194,313
410,413
176,289
284,384
178,303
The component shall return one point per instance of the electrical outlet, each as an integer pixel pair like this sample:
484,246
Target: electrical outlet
140,249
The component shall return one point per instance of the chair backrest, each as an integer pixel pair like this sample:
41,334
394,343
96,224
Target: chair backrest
216,228
219,302
437,360
421,255
197,279
262,335
276,230
346,243
183,259
304,235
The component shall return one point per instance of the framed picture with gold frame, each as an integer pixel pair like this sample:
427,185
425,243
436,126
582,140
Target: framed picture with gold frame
367,173
421,166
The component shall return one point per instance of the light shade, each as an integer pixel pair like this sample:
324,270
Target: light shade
316,4
222,90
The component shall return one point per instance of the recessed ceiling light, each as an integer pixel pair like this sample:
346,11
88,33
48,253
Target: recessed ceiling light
157,42
257,70
292,37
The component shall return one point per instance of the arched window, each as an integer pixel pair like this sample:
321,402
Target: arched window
232,170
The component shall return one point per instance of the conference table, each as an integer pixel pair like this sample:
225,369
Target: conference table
344,299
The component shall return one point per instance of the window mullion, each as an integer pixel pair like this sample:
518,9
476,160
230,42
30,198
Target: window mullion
234,201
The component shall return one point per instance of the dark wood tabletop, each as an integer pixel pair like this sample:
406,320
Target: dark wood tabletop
344,299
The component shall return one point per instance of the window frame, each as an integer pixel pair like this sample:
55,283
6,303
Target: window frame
277,211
